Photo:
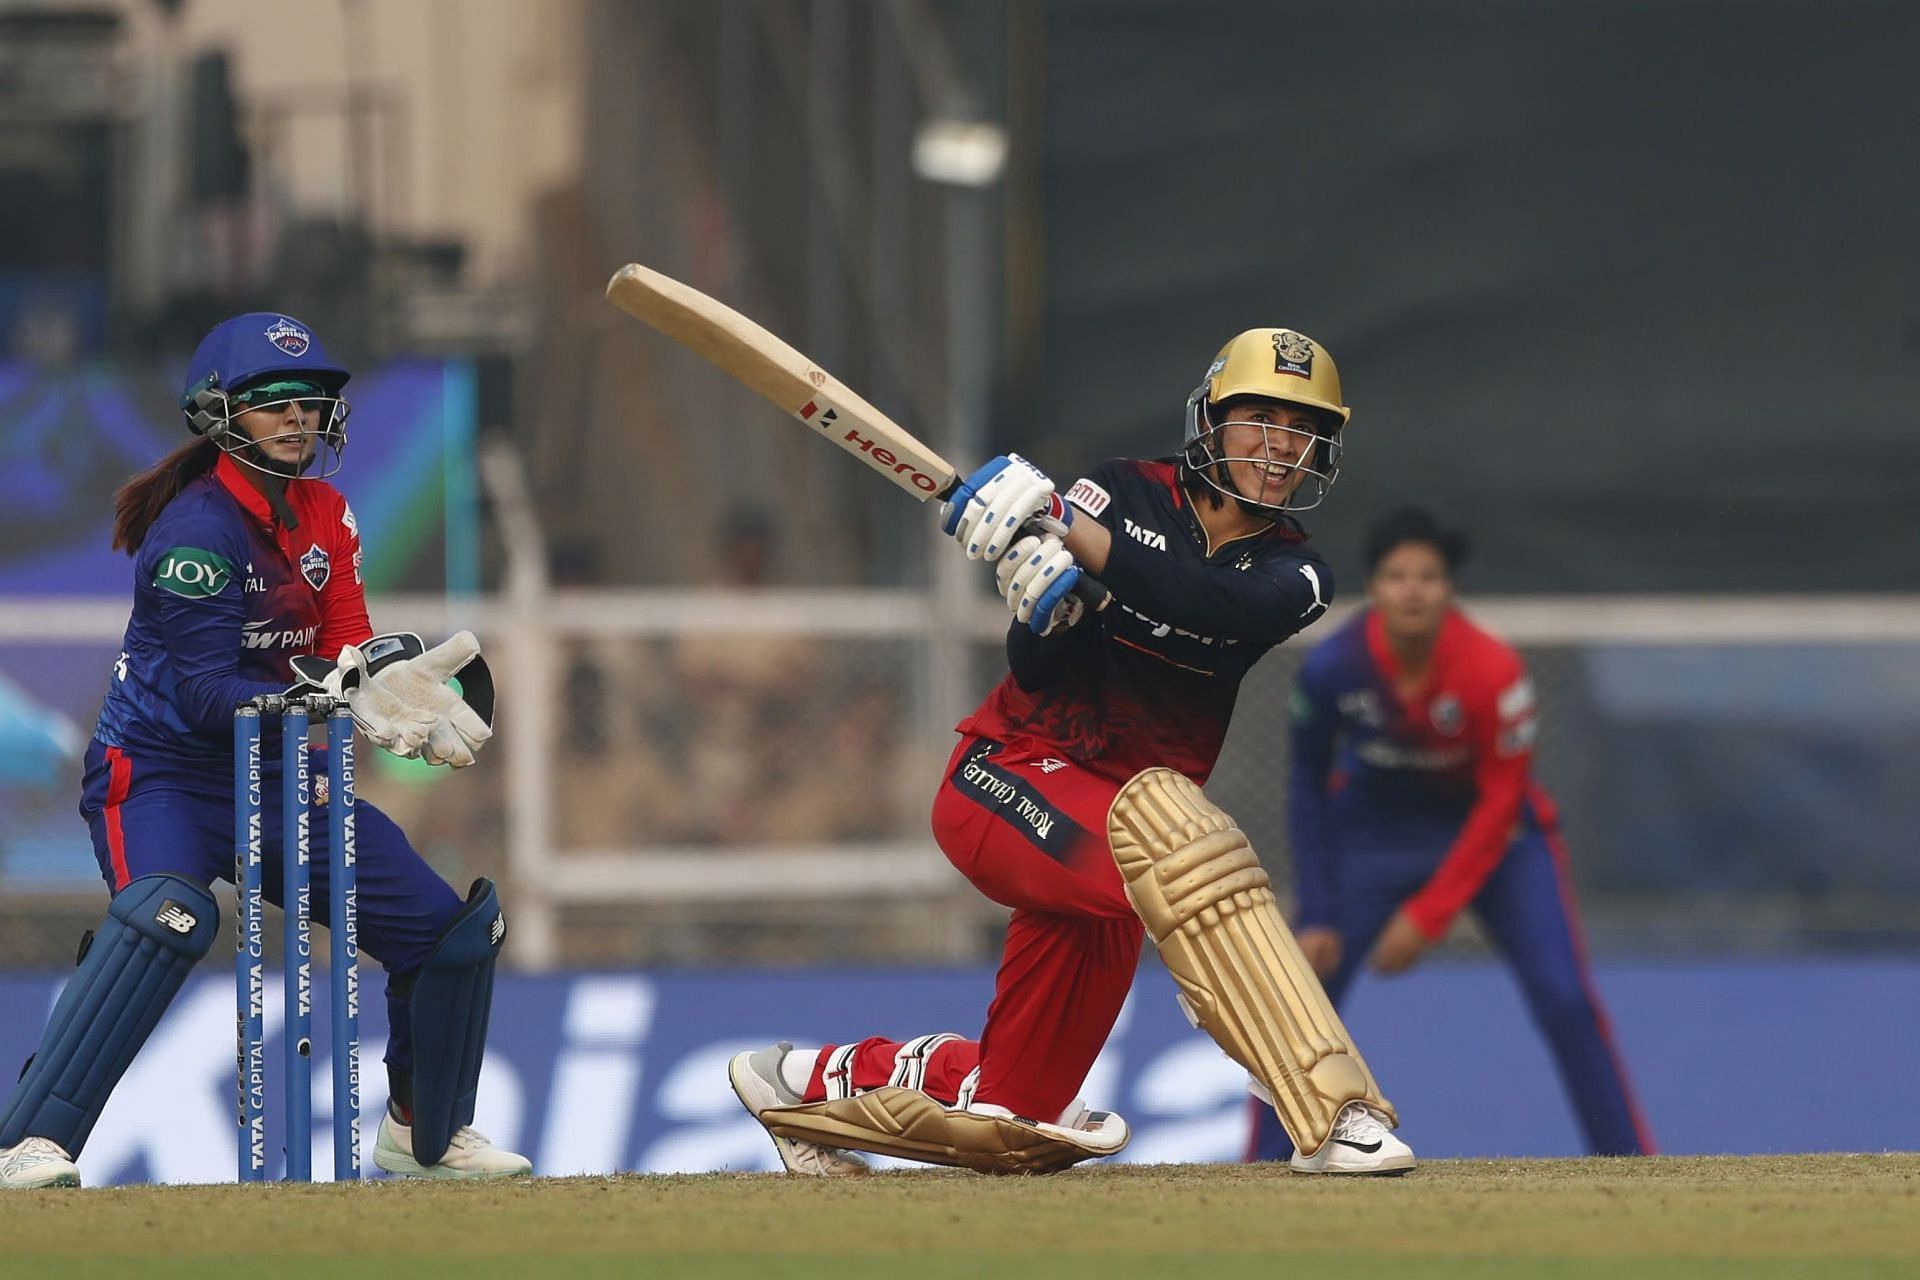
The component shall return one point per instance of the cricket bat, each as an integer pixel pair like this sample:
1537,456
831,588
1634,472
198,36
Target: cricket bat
773,369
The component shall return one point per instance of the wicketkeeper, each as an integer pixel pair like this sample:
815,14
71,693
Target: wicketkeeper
247,582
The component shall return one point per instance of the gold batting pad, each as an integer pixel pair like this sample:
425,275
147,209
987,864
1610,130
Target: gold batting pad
1209,908
892,1121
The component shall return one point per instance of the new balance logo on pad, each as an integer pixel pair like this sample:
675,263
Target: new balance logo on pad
175,917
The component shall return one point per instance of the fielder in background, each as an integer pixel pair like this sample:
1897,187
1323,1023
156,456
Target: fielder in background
1411,798
246,577
1074,798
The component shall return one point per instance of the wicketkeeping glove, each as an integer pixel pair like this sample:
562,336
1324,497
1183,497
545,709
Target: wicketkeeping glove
1036,576
398,693
989,508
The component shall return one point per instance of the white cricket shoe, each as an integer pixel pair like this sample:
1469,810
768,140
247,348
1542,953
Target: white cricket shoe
1361,1143
469,1155
35,1163
756,1079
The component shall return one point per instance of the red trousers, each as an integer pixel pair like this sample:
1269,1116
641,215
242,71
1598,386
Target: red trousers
1029,830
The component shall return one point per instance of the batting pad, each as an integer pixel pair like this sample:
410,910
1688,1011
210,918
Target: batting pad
1209,908
892,1121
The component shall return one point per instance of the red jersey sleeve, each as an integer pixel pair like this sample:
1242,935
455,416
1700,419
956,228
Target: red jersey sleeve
1501,722
343,601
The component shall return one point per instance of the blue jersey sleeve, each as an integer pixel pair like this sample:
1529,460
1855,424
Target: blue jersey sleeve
192,578
1315,717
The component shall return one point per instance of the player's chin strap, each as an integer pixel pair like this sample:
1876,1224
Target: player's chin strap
210,415
283,512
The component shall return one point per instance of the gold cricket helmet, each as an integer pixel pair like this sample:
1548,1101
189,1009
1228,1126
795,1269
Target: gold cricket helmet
1279,364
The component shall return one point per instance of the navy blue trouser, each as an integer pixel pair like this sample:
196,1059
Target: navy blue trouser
1527,908
151,816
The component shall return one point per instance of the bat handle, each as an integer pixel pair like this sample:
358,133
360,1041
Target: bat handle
1091,592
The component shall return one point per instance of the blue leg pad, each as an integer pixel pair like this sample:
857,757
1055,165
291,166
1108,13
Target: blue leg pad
451,1000
156,930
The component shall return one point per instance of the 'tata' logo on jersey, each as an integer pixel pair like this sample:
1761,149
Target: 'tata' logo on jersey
193,573
289,337
316,566
1147,537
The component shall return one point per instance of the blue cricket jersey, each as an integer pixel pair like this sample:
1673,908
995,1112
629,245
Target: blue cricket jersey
224,597
1447,769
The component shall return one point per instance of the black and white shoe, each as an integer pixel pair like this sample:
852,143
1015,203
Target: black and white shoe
1361,1143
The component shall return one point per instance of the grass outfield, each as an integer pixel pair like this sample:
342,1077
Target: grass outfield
1794,1216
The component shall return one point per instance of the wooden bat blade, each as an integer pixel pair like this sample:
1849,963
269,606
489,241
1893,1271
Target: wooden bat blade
768,366
774,370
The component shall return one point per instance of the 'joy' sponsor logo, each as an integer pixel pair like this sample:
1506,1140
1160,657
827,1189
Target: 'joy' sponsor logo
193,573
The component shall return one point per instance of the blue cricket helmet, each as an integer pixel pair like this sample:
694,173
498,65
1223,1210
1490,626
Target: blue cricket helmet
238,351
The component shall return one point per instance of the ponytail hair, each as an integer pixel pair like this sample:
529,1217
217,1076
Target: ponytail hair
139,501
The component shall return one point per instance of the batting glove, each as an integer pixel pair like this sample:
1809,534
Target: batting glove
1037,576
987,511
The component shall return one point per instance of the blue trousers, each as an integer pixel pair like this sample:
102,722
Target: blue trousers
154,815
1527,909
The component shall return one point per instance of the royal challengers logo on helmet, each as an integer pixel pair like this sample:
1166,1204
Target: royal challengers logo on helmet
289,337
193,573
1292,353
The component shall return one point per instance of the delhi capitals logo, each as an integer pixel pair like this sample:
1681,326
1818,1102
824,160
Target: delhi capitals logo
289,337
316,566
1447,715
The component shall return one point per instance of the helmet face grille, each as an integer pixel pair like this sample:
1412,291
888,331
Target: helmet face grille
1205,456
1274,364
211,412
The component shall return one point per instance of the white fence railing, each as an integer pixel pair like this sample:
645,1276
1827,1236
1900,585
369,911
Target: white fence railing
528,626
